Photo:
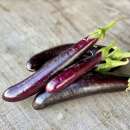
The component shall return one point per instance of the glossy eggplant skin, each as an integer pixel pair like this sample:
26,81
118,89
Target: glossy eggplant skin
88,84
37,60
38,80
72,73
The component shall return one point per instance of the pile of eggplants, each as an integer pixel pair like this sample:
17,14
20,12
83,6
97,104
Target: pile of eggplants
66,72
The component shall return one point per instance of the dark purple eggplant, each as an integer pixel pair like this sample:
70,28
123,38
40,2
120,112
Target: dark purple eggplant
72,73
37,60
88,84
38,80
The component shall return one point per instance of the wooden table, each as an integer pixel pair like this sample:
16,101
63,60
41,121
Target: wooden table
27,27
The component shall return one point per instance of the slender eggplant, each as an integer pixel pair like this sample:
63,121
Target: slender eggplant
111,56
38,80
88,84
37,60
72,73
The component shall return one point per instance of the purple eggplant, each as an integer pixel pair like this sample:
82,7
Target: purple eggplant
39,59
38,80
72,73
88,84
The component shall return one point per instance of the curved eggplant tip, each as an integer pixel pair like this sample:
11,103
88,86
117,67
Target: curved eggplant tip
40,101
50,87
37,102
29,66
36,105
9,96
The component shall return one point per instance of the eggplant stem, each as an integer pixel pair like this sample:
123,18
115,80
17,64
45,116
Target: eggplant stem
101,32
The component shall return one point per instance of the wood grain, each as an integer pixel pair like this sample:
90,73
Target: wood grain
27,27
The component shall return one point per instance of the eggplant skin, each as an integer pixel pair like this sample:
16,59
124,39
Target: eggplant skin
87,85
37,81
39,59
72,73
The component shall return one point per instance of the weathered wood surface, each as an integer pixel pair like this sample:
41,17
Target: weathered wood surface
27,27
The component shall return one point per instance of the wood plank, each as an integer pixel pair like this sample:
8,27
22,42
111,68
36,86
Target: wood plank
27,27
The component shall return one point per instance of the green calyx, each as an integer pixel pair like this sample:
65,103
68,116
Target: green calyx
106,50
113,57
101,32
109,64
119,54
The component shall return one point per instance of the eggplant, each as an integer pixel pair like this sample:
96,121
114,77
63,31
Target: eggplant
72,73
38,80
39,59
89,84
